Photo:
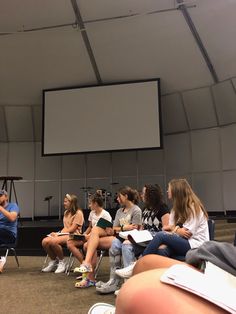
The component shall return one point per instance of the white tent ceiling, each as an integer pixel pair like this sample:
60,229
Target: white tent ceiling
58,43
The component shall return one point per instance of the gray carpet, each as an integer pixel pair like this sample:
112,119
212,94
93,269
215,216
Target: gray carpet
28,290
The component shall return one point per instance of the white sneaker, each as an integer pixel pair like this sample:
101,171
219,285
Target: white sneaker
116,292
52,266
102,308
125,272
2,262
61,268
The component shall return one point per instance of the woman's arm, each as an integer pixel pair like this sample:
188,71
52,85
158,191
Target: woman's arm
76,223
165,220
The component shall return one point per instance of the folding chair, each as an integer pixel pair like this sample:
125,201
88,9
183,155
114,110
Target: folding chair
10,247
101,253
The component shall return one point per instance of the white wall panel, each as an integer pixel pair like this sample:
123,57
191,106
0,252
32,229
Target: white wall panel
228,142
155,179
19,123
37,116
73,167
124,181
229,179
21,160
177,154
208,187
206,150
42,190
99,165
124,164
3,158
25,197
173,115
47,168
199,108
3,129
150,162
225,100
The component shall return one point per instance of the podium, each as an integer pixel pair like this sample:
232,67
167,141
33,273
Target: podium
8,182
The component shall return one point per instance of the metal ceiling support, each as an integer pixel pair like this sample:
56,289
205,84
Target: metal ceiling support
86,40
182,7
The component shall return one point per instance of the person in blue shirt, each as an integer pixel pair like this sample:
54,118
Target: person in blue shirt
8,219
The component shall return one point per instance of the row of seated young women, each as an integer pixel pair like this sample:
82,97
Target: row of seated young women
174,232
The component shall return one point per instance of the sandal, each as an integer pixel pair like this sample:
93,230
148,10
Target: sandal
83,268
79,278
85,283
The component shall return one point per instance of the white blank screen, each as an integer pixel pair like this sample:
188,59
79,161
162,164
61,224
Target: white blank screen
101,118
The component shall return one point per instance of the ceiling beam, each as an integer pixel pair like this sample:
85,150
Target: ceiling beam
81,26
183,8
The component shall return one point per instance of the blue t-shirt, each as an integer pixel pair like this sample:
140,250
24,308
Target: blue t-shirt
7,224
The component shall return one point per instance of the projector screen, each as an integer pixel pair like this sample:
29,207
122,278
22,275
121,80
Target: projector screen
102,118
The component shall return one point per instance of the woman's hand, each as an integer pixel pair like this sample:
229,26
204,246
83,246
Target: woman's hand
54,234
110,231
167,228
130,227
184,233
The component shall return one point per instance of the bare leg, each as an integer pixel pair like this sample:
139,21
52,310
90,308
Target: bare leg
74,247
56,245
144,293
153,261
53,246
104,244
93,243
46,243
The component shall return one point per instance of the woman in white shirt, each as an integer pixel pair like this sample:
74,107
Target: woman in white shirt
188,227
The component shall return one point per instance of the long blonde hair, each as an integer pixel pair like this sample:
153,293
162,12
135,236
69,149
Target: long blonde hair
186,204
73,204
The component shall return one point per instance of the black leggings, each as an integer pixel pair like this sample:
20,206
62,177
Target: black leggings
6,236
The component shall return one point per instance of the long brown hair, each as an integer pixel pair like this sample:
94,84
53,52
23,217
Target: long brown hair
186,204
73,204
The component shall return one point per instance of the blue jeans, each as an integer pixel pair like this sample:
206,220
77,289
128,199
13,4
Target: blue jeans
124,249
175,245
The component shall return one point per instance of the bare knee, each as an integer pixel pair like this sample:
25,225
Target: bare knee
46,242
152,261
145,293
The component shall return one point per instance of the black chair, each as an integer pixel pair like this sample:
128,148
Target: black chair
101,253
211,227
10,247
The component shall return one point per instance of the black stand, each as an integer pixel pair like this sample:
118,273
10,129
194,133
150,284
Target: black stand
12,186
48,199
